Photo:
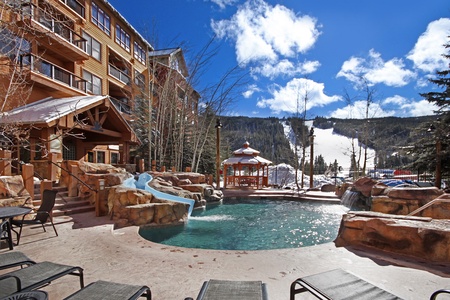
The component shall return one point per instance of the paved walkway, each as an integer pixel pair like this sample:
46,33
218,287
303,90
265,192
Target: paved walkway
175,273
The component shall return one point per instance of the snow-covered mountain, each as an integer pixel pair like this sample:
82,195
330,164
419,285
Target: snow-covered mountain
331,146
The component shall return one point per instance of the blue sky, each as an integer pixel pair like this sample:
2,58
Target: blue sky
320,49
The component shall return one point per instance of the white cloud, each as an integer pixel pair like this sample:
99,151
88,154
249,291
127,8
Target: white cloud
375,70
285,67
266,33
250,91
291,98
357,110
396,100
223,3
417,108
427,52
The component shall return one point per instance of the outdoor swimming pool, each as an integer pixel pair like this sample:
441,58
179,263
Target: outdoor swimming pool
253,225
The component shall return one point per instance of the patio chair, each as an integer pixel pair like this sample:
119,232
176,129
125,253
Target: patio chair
339,284
14,259
36,276
232,290
42,215
5,233
105,290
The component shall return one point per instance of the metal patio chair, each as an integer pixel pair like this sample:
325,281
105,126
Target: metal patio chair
42,215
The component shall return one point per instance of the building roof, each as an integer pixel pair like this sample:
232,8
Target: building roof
246,160
246,156
49,109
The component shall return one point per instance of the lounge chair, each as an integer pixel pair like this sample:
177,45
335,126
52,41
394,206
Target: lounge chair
36,276
43,214
105,290
5,233
232,290
14,259
339,284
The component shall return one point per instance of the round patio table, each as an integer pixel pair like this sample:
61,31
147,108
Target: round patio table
33,295
6,214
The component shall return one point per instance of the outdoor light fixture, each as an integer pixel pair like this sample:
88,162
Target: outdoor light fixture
218,126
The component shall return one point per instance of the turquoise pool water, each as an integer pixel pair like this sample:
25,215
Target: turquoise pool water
253,225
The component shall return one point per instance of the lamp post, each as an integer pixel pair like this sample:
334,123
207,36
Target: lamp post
438,175
311,159
218,126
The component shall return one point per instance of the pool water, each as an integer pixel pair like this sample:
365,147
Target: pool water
253,225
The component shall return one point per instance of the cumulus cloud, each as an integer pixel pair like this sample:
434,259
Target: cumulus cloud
285,67
375,70
396,100
427,52
417,108
223,3
250,91
357,110
269,35
291,98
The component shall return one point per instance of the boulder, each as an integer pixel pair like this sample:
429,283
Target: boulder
415,193
12,186
417,237
364,185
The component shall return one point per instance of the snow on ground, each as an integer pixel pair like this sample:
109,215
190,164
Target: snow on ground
326,143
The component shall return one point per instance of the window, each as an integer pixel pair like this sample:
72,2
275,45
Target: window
92,46
101,19
90,157
93,83
139,53
123,38
114,158
100,157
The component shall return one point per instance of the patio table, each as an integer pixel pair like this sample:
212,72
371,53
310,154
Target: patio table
6,214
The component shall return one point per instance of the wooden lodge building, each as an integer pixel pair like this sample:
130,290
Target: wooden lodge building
72,73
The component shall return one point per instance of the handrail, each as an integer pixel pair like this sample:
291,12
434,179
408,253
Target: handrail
79,180
437,200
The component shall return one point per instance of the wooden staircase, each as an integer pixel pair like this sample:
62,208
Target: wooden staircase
64,204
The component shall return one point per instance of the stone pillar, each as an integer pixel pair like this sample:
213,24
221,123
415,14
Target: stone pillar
153,165
52,167
141,165
188,169
163,168
5,162
73,182
101,199
28,178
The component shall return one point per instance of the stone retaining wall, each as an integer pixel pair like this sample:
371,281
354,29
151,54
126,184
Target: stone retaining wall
417,237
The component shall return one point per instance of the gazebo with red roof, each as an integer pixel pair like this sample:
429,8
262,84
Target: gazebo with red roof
248,169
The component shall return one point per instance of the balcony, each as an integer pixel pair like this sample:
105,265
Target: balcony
119,74
53,77
63,39
121,106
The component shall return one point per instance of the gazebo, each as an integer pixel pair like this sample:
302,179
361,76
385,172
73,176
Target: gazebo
246,169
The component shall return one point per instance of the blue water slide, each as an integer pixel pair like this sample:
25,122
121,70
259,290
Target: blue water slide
142,184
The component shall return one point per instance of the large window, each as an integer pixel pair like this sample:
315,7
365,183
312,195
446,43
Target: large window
93,83
101,19
123,38
139,53
92,46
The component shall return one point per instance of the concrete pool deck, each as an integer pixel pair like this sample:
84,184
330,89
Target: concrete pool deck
175,273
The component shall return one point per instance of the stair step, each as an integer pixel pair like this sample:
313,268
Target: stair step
64,205
72,211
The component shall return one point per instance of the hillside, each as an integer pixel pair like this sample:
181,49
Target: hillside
385,135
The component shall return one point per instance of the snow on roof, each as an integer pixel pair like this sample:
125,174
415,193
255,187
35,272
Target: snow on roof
246,155
249,160
48,109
